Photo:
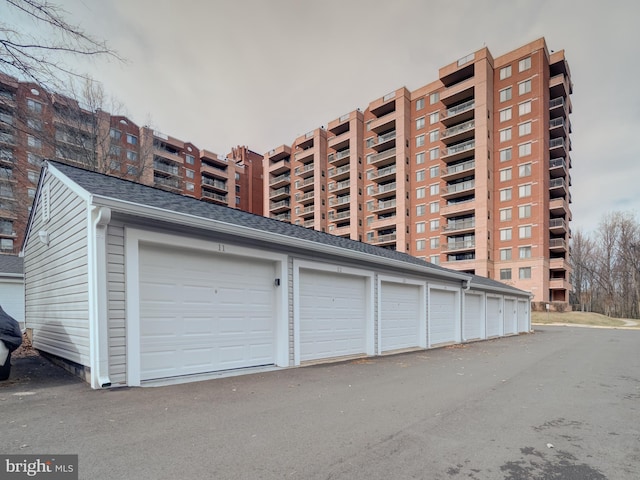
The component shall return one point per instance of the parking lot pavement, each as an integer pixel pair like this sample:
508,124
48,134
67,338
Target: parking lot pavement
559,403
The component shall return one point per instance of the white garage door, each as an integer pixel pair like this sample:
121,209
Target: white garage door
473,317
494,317
399,316
443,317
201,312
332,315
510,319
12,299
523,316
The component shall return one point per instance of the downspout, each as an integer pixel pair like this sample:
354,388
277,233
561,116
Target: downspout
467,284
101,217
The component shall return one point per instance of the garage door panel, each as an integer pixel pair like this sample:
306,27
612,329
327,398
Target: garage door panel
400,316
473,317
510,319
494,317
201,312
442,317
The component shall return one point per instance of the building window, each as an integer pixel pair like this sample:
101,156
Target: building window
115,134
505,154
434,154
32,176
420,227
505,254
420,245
132,170
505,114
420,104
421,209
434,225
132,156
114,150
34,124
524,108
524,129
434,135
132,139
31,192
524,273
505,194
505,94
524,211
434,189
524,190
114,165
420,175
505,135
525,252
419,140
33,106
34,159
505,72
505,215
190,173
434,243
420,192
434,118
434,207
190,159
524,149
505,274
419,158
189,186
434,98
6,244
435,259
524,170
524,87
34,142
434,172
524,64
420,123
505,234
505,175
524,231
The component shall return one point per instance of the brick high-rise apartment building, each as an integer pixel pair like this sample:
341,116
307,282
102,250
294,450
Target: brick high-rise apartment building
470,171
37,125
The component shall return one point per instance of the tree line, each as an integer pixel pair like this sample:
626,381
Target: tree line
606,267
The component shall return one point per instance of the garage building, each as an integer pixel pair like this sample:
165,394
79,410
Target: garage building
131,285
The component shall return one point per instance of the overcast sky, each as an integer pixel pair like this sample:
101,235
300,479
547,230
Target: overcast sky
222,73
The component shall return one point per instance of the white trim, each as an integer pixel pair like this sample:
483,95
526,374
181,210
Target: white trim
368,275
422,333
133,237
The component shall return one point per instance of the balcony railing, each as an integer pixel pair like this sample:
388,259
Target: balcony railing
337,171
339,215
280,178
384,188
384,205
304,169
339,185
333,157
214,183
459,187
167,182
557,243
282,216
460,225
282,203
557,163
556,142
557,223
557,183
556,122
383,172
163,167
372,142
463,127
463,107
460,147
390,237
279,191
333,202
461,245
381,156
305,196
460,167
556,102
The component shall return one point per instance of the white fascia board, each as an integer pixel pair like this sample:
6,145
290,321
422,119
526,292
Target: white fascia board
252,233
505,290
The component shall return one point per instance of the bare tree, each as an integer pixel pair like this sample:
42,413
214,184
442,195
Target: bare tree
42,56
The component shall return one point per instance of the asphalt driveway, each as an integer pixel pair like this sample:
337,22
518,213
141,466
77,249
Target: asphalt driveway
562,403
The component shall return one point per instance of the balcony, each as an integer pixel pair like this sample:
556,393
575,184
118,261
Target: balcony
280,153
383,190
459,132
383,106
214,170
304,154
383,142
384,206
165,168
6,119
339,158
381,240
280,180
459,226
558,146
559,86
339,142
460,189
306,212
281,206
558,264
557,167
383,223
383,123
558,188
383,158
559,107
458,113
458,208
342,231
7,138
306,184
457,171
339,173
339,187
279,193
558,127
341,215
337,201
382,174
559,207
281,166
167,155
283,217
305,170
558,226
306,143
459,246
167,183
6,156
309,223
458,151
305,198
559,284
214,184
558,245
7,99
214,197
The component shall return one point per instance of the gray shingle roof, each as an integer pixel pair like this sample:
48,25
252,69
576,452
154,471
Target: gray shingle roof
11,264
119,189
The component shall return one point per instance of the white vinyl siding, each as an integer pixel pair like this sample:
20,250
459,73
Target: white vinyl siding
116,302
56,277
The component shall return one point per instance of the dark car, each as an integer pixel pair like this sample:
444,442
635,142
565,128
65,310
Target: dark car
10,338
